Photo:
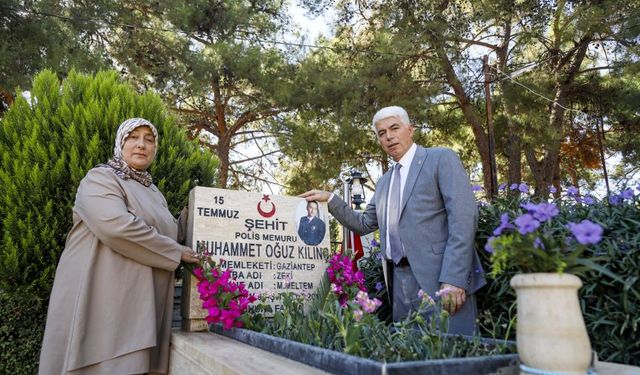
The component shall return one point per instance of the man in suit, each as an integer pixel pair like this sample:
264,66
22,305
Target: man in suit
427,223
311,228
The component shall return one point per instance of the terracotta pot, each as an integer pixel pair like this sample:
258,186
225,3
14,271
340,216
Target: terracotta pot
551,334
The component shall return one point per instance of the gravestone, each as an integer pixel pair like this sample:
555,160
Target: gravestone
268,241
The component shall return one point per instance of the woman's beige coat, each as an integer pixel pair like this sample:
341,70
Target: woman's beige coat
111,305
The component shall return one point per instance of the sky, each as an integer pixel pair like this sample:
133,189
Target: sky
312,27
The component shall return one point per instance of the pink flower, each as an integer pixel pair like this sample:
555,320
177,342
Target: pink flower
209,302
357,315
214,312
199,273
349,285
336,289
225,300
362,296
370,305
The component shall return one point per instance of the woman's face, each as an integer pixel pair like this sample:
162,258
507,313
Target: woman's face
139,148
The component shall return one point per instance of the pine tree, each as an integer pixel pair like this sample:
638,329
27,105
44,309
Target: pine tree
47,144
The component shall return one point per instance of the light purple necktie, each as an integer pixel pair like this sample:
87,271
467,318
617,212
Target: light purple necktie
393,217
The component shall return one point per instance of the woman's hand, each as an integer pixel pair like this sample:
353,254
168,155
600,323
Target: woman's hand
189,256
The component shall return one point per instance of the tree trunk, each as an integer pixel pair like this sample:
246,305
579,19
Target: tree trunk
513,148
470,113
6,99
565,69
222,152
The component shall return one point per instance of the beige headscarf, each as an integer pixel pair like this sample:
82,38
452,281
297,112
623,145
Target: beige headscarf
121,168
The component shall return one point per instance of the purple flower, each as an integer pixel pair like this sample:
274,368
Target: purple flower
513,187
588,200
586,232
526,223
375,243
538,244
476,188
524,188
504,224
572,191
488,247
552,189
627,194
379,286
545,211
503,186
615,200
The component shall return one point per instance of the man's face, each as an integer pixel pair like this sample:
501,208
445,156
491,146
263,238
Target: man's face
312,210
395,137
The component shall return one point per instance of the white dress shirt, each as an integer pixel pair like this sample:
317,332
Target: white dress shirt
405,161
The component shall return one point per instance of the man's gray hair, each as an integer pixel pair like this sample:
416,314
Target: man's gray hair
389,112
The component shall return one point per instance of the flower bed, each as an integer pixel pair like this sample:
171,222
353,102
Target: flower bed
337,330
340,363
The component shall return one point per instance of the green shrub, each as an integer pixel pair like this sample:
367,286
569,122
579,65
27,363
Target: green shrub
21,329
610,296
47,144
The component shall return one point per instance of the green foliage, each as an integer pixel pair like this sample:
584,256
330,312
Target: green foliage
209,60
609,297
616,97
550,48
32,41
47,144
332,326
343,93
21,329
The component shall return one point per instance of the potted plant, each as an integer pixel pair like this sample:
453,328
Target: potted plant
545,251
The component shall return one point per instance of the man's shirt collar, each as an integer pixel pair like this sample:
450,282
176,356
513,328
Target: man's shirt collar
407,158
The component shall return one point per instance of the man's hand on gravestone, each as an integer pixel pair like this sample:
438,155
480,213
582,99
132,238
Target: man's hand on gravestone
316,195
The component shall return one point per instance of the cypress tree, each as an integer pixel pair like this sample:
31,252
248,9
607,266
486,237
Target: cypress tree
47,144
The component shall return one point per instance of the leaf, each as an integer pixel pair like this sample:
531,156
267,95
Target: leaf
593,265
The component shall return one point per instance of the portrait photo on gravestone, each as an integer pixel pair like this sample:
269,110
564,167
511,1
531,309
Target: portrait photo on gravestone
311,225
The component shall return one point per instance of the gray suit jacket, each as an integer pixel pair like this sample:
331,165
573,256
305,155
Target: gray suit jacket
438,220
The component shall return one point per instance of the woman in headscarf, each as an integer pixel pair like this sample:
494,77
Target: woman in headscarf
111,305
